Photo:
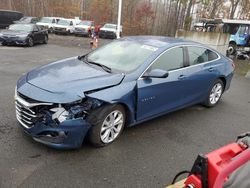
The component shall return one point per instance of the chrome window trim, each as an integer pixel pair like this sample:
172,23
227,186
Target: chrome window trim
179,46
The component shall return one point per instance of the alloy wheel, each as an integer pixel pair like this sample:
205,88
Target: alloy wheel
31,43
216,93
111,126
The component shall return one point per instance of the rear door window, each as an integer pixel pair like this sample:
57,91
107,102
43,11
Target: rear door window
199,55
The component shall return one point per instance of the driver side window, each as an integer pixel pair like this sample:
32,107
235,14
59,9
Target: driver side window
170,60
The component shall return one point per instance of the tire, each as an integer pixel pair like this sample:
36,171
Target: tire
4,44
50,30
46,40
231,50
30,42
214,94
104,131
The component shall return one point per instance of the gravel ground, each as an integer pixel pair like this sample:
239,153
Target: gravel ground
73,41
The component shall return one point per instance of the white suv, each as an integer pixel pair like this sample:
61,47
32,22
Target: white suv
109,31
65,26
48,23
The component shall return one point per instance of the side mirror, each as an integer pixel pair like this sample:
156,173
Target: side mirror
156,73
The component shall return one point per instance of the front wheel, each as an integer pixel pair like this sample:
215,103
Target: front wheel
46,39
231,50
215,94
50,30
108,123
30,42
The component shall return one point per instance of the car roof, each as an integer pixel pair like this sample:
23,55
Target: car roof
52,17
68,19
23,24
160,41
29,17
110,24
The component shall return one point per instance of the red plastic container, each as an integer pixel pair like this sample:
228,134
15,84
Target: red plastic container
220,164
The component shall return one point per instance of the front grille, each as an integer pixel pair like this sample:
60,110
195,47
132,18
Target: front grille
60,29
27,112
10,37
106,32
79,29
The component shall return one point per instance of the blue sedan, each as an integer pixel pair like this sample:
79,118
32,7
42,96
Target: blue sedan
123,83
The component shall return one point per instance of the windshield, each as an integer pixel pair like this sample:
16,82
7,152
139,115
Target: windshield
21,27
88,23
46,20
25,19
121,55
63,22
110,26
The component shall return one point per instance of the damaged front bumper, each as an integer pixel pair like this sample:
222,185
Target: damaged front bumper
68,135
52,125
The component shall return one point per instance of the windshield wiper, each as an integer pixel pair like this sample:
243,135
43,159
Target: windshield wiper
104,67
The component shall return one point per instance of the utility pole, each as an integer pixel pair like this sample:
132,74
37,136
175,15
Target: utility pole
119,19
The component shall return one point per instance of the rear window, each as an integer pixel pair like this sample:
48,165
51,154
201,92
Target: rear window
199,55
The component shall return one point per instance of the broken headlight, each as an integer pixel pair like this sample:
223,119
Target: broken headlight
74,110
60,114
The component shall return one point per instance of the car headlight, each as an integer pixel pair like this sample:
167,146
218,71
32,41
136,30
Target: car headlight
60,114
74,110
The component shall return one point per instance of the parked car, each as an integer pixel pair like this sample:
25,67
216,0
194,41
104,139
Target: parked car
65,26
109,31
125,82
48,23
27,20
85,28
240,40
23,34
8,16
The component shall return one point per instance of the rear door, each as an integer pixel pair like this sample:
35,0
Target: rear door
201,73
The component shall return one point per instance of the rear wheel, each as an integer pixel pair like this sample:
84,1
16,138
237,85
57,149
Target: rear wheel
215,94
108,123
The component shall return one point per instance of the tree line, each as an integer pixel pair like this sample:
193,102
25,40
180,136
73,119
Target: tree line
156,17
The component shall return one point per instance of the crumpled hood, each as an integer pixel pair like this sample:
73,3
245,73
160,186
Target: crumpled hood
66,81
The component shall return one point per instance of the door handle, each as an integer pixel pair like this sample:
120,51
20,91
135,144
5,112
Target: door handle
181,77
211,69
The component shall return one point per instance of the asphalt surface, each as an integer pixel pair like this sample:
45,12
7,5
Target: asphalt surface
147,155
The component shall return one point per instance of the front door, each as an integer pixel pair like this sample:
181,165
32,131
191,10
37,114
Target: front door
160,95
